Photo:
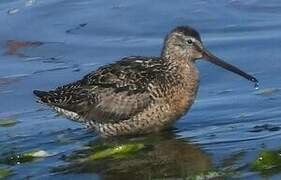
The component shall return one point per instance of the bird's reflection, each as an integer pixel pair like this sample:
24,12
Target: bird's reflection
160,155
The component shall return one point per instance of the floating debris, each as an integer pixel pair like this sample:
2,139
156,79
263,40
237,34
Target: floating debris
7,122
268,162
13,46
267,91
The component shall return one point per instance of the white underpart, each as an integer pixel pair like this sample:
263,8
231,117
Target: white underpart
138,61
69,114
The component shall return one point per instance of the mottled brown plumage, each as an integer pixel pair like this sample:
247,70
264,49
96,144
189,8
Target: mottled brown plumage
137,95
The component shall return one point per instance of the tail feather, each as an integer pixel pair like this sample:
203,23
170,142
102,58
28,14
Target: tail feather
40,93
55,98
50,98
43,96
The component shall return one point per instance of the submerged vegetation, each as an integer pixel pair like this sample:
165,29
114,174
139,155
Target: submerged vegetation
13,158
8,122
117,151
268,162
5,172
150,157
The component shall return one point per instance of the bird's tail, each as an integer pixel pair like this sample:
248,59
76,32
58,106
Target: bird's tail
43,96
51,99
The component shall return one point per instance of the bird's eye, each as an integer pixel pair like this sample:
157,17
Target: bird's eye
189,41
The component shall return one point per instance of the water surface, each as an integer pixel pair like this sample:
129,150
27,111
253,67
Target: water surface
45,44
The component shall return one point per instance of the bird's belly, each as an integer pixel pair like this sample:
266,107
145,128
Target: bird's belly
154,118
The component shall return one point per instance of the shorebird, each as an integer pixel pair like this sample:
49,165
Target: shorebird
138,95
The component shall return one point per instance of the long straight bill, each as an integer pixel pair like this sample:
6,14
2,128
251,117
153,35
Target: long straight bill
215,60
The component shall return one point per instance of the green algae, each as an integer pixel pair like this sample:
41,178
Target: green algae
117,151
18,158
268,162
5,172
212,174
7,122
37,154
267,91
206,175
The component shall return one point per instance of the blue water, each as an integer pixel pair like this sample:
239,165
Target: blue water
75,37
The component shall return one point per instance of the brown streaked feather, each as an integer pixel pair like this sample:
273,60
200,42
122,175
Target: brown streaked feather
116,106
110,94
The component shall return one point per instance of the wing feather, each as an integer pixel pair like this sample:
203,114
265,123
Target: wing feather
112,93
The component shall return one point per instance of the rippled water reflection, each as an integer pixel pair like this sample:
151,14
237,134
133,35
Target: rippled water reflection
160,156
49,43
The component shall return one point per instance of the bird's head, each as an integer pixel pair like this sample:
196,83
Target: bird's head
184,42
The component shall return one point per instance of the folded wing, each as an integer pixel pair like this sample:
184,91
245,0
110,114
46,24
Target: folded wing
112,93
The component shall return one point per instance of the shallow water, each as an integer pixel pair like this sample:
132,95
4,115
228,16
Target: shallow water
45,44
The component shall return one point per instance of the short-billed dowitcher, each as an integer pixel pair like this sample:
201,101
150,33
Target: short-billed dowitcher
136,94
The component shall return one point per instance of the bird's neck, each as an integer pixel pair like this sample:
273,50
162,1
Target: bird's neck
175,56
180,65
